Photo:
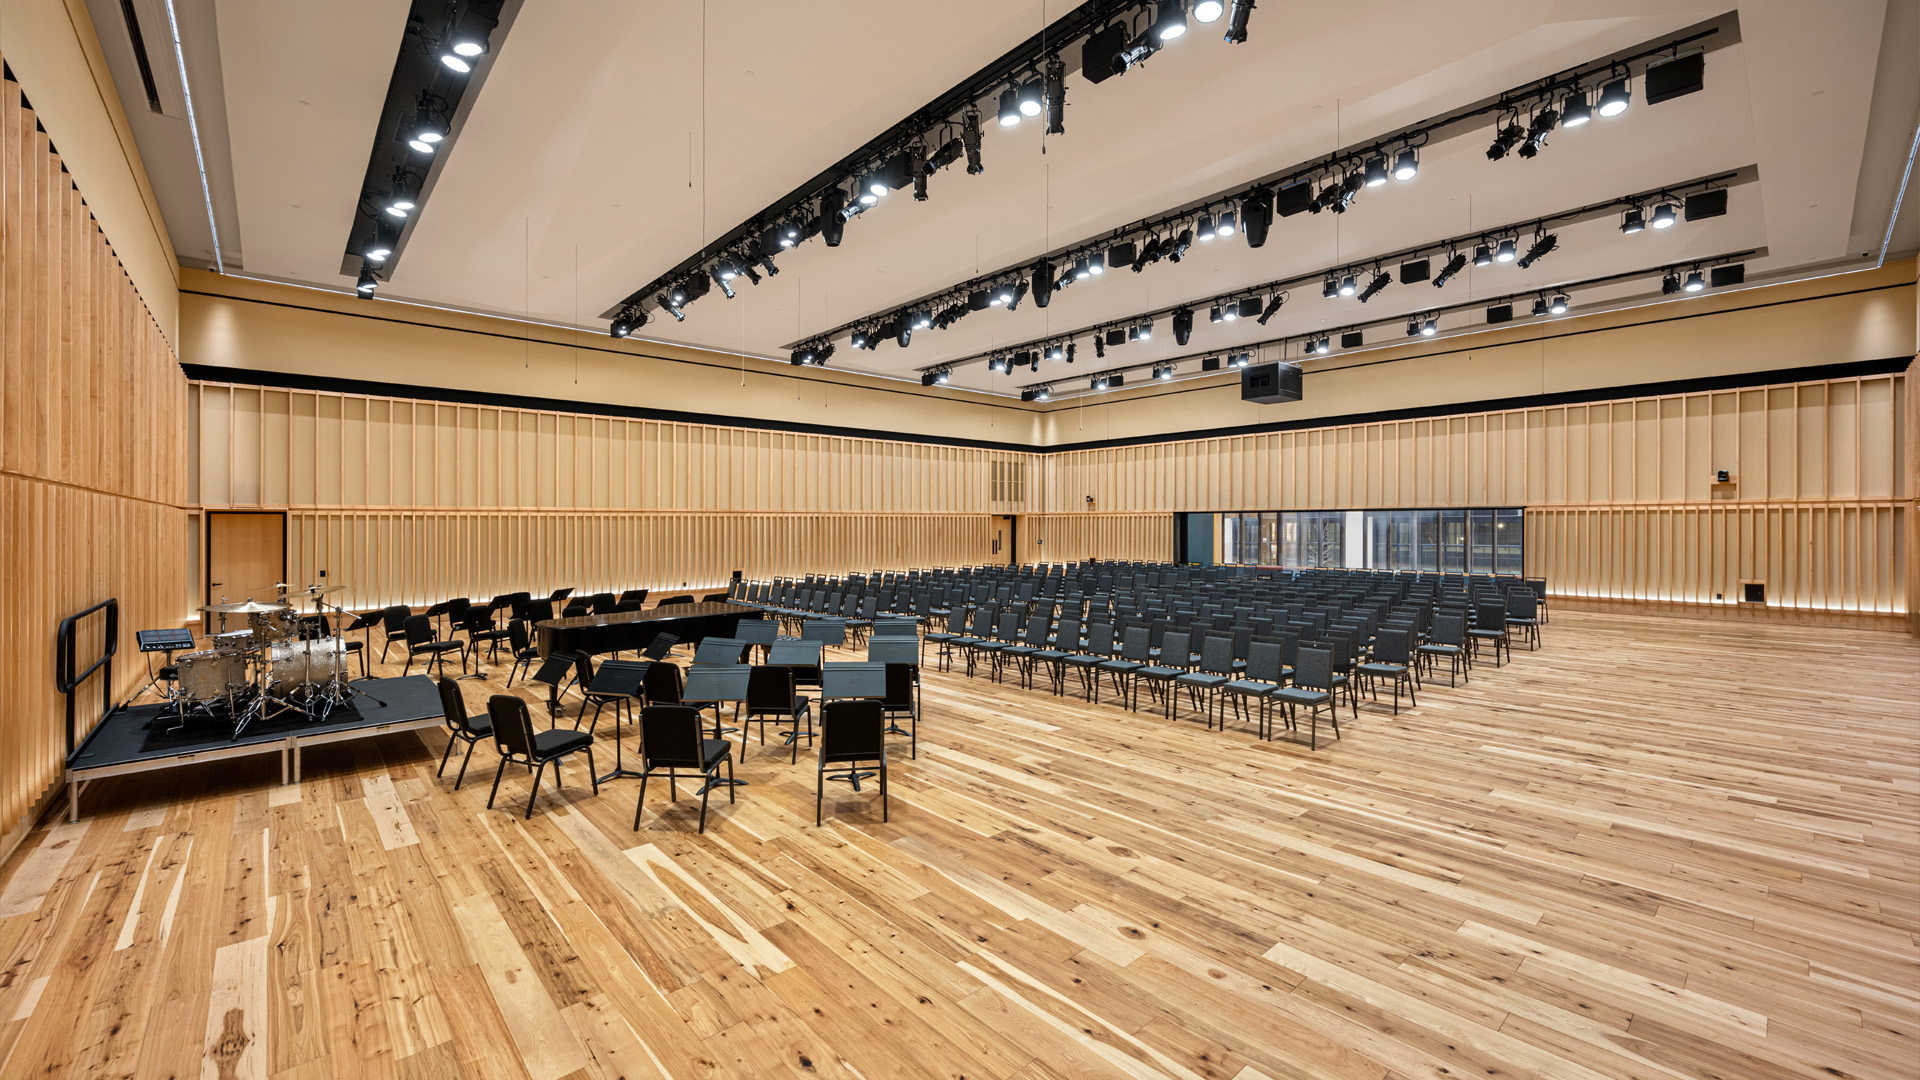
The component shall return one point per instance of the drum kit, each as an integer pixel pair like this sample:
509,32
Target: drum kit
276,664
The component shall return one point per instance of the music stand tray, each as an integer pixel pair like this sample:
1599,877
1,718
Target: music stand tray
853,679
620,677
552,670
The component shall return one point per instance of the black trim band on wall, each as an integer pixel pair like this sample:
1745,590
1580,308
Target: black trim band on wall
1891,365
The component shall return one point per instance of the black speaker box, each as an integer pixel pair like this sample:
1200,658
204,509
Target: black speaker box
1500,313
1102,49
1677,77
1270,384
1727,275
1707,204
1293,198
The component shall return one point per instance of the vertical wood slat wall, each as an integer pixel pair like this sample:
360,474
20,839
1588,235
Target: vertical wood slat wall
92,458
411,501
1621,496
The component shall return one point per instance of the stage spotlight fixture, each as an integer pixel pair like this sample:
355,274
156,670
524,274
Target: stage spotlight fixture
1695,282
1226,225
1482,255
872,187
1213,316
1180,245
725,270
1019,294
917,171
949,152
999,365
1542,246
1559,304
1321,346
1329,289
1002,293
1056,351
920,320
1456,262
1029,98
1578,111
400,199
1099,382
1241,360
752,275
1183,324
1145,330
1505,140
1042,393
1614,97
832,223
1663,216
1381,279
1237,23
1099,346
1056,96
1343,195
1633,221
1043,279
671,306
1539,305
1407,165
1506,252
1207,11
622,326
466,41
970,139
1430,327
1096,264
1413,327
724,281
1670,284
1256,214
426,133
1544,121
1376,170
1172,21
1009,107
1347,287
766,263
1081,270
1272,308
1163,372
789,235
367,283
1205,232
859,339
802,356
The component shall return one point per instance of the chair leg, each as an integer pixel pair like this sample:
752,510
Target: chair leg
534,793
731,786
443,755
642,803
497,774
464,762
706,790
885,810
593,774
819,791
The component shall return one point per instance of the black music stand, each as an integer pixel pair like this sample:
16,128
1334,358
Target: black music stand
852,679
713,685
365,622
802,656
440,610
620,677
552,671
716,650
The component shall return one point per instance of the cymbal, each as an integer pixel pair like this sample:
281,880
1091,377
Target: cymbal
248,607
323,590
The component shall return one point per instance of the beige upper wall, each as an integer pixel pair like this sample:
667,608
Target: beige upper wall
1804,324
53,51
236,323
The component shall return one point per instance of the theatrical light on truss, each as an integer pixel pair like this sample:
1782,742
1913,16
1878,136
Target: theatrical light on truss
1009,107
1030,98
466,42
1559,304
1542,245
1506,252
970,139
859,339
999,365
1163,372
367,283
1380,281
1019,294
1237,24
1413,327
1207,11
1226,225
1056,96
1273,307
1319,346
1614,97
1183,324
1539,305
1143,332
1097,263
1663,216
1577,112
1082,271
1633,221
1430,327
1695,282
1172,22
1483,255
1508,137
1670,284
1347,287
1456,262
381,246
1406,166
399,201
671,305
1543,122
1329,289
1099,382
920,320
1205,232
1056,351
425,133
1376,170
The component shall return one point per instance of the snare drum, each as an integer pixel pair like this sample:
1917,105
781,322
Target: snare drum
295,665
211,673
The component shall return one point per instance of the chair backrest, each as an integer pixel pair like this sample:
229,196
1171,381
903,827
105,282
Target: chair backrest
574,611
419,630
1392,646
1490,615
757,631
1450,629
1066,637
1035,636
824,631
1100,638
852,729
453,704
660,646
1263,662
1216,654
686,598
512,725
517,634
1176,649
1522,604
770,688
1009,626
670,736
457,609
394,619
662,684
895,628
1314,669
1133,644
583,669
869,607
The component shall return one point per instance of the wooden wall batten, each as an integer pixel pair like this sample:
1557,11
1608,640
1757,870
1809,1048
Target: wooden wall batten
92,457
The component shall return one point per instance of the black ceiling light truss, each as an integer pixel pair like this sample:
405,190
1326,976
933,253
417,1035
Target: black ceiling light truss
1327,184
1027,82
444,55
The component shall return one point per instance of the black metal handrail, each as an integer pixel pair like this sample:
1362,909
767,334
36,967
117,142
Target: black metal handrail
67,679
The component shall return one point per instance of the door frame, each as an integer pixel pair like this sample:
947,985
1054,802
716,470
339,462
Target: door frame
206,544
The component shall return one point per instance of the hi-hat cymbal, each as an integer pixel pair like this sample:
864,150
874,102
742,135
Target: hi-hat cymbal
248,607
323,590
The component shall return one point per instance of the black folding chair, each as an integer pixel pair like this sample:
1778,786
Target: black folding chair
517,741
852,732
671,740
460,727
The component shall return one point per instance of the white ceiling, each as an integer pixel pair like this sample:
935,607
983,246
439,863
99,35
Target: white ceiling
612,139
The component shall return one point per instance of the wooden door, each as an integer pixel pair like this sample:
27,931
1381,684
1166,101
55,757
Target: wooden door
246,555
1003,539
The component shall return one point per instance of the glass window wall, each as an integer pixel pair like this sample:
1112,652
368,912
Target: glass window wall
1478,540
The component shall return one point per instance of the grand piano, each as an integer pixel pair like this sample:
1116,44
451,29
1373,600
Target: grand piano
631,631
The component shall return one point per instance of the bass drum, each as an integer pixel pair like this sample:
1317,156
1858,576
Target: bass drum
210,674
297,665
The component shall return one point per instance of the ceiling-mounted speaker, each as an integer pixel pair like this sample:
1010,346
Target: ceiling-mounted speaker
1270,384
1721,276
1707,204
1500,313
1115,382
1100,55
1210,363
1676,77
1352,339
1120,255
1415,270
1116,337
1293,198
1250,308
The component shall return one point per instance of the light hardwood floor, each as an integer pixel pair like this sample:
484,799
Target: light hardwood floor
1657,849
